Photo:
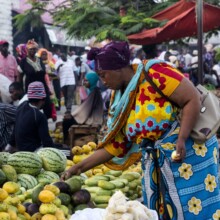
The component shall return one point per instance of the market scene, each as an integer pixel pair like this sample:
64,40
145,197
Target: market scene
109,110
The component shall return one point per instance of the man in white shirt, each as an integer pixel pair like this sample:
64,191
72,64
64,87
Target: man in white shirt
65,69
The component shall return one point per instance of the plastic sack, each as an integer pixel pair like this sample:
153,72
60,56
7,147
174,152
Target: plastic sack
5,96
82,92
89,214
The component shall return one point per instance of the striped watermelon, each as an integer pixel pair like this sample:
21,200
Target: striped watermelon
47,176
4,157
27,181
53,159
26,162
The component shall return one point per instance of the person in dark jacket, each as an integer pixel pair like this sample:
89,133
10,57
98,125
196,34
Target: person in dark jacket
31,128
34,69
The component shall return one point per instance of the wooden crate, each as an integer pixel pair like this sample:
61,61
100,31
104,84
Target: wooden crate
82,134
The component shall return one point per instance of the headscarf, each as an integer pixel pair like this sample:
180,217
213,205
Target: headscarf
31,44
21,50
114,55
36,90
2,42
93,78
49,54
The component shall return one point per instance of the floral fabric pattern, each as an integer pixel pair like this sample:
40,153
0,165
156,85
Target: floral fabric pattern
191,187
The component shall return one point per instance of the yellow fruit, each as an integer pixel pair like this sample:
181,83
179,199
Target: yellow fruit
60,214
46,196
27,216
174,156
21,197
69,163
57,202
95,171
57,131
86,149
4,216
54,189
3,194
21,208
48,208
105,169
3,207
12,200
76,150
77,158
89,173
92,145
49,217
67,167
11,187
12,214
36,216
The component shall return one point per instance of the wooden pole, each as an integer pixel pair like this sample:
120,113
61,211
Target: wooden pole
199,8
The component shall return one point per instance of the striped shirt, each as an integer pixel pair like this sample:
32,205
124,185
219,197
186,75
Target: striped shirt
7,121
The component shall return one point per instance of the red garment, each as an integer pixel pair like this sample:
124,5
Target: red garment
8,67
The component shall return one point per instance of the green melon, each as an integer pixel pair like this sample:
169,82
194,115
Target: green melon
53,159
26,162
2,177
47,176
27,181
4,157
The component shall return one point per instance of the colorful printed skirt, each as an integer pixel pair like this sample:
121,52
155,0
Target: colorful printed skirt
189,190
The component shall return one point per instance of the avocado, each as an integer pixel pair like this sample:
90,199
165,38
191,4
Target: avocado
32,209
65,198
81,197
63,186
75,184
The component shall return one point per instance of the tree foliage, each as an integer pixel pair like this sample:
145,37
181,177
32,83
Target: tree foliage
84,19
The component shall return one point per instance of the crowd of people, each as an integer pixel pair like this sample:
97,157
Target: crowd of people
141,124
61,75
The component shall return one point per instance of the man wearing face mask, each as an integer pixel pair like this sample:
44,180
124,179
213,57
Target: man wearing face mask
65,69
8,63
31,127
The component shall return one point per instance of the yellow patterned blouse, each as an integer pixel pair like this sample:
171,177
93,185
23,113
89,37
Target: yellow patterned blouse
150,114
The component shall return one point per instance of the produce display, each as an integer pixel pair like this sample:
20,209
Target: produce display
31,187
57,135
103,182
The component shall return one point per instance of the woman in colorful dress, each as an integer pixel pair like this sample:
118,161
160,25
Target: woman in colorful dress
33,69
142,123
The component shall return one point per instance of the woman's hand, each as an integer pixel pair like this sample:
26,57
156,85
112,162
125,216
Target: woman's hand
100,156
180,152
74,170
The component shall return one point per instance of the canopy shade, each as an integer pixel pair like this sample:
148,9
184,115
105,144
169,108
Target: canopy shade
181,23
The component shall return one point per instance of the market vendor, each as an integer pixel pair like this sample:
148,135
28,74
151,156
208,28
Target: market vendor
31,128
142,123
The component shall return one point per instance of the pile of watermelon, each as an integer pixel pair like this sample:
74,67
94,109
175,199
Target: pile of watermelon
26,179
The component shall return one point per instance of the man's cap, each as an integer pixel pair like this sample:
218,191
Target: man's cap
36,90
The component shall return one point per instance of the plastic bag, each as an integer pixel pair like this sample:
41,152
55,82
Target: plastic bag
82,92
89,214
5,96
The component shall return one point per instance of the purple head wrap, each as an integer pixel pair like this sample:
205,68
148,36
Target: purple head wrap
112,56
